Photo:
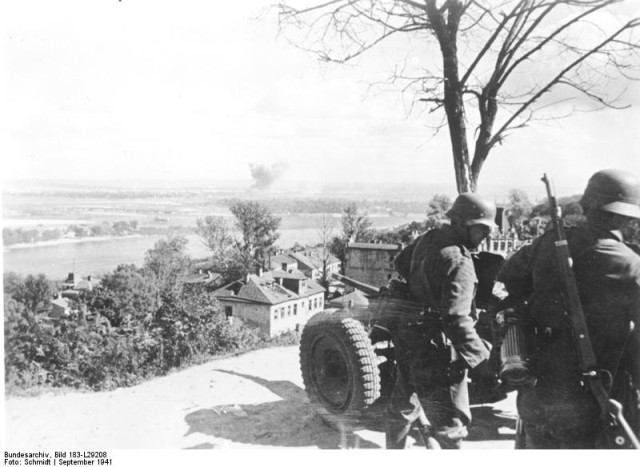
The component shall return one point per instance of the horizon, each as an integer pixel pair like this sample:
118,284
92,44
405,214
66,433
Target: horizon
224,97
377,191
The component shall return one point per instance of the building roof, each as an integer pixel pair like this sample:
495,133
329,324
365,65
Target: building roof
76,282
62,302
375,246
229,290
266,289
280,274
303,260
312,288
277,260
87,284
203,278
312,258
60,307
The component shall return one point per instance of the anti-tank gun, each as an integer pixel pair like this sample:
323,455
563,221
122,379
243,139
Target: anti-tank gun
347,355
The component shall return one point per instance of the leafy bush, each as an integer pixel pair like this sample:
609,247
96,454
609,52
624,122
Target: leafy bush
138,323
286,338
118,335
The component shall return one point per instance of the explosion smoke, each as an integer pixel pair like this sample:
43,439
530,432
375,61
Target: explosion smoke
264,175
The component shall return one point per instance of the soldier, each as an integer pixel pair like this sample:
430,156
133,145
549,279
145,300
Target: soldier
434,351
559,411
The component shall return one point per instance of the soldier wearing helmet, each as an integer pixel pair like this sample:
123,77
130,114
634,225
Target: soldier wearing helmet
438,343
559,411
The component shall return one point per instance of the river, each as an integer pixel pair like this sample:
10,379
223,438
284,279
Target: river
99,257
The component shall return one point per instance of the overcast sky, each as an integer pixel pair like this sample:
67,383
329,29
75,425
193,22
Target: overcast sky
200,90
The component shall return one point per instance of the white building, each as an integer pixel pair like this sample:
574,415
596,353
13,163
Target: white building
276,301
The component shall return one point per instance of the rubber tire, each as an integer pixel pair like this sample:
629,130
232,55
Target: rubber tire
339,368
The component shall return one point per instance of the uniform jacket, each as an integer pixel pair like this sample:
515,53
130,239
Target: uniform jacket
608,277
441,274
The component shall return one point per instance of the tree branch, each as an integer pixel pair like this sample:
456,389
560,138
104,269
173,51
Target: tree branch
630,25
551,36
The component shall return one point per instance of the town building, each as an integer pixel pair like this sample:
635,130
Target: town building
312,262
371,263
204,278
60,307
355,299
74,285
276,301
282,261
504,239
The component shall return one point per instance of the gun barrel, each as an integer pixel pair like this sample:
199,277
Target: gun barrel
367,288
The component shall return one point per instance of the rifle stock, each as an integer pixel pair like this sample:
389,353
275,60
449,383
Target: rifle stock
616,426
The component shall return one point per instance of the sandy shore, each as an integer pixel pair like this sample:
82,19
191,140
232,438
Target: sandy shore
63,241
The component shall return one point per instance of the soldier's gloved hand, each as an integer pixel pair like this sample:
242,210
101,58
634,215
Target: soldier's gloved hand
507,316
457,370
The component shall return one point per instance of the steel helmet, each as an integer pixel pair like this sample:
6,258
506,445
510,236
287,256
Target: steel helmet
614,191
472,209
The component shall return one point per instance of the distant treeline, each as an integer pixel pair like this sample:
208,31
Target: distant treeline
334,205
118,194
280,205
19,235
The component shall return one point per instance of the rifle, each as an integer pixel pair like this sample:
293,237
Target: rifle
615,426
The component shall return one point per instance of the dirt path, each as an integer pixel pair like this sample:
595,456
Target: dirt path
251,401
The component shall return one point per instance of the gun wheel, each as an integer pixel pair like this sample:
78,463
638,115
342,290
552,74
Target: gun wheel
339,368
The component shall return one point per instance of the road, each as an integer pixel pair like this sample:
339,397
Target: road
255,400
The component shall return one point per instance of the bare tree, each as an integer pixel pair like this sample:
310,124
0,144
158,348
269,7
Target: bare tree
516,56
325,234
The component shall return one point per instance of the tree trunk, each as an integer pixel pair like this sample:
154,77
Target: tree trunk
454,107
458,135
488,109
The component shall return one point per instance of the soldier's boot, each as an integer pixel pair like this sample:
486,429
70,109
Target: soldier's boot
396,436
450,437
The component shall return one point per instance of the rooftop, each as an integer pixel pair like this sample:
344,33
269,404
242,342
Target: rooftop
357,298
266,289
277,260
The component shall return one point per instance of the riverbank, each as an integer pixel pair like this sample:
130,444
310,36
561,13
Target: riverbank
99,255
66,241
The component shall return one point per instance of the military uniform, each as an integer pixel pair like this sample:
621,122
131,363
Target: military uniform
442,279
560,411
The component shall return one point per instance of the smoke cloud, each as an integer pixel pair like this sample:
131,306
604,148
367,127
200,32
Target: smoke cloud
264,175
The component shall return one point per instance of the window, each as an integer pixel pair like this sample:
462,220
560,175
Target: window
228,311
289,310
295,309
275,314
315,303
310,305
282,313
320,302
